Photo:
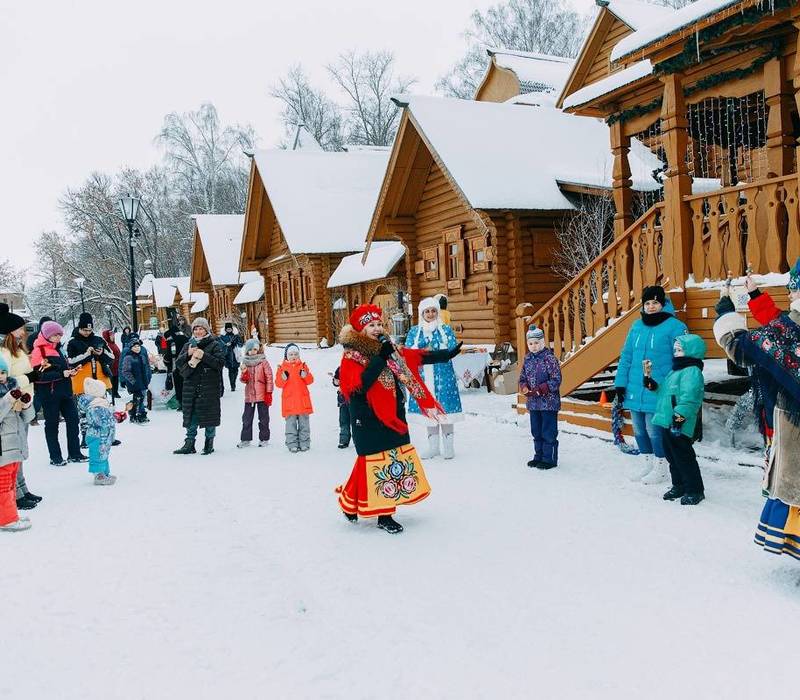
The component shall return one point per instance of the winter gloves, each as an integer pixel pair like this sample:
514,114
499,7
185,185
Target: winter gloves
19,396
541,390
724,306
455,351
387,350
621,391
285,375
677,424
650,383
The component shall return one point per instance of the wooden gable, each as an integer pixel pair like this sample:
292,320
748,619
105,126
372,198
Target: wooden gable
199,275
594,61
498,85
259,242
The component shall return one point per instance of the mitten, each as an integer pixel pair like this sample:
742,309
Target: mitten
387,350
285,375
621,391
724,306
455,351
677,424
542,390
120,416
303,373
650,383
16,393
26,398
245,376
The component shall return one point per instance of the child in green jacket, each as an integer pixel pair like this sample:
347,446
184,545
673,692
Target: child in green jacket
680,397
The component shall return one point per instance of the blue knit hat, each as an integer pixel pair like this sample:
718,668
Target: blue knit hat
794,278
251,344
534,333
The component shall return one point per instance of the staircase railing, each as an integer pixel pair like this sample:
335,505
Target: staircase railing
752,223
603,291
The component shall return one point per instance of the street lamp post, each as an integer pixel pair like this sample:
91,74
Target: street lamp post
80,281
110,321
129,207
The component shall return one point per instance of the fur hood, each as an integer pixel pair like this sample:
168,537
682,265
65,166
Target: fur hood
350,338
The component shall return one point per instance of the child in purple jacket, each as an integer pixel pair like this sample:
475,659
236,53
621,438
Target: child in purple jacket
540,382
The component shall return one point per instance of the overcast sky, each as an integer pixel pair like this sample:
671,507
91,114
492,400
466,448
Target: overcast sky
85,85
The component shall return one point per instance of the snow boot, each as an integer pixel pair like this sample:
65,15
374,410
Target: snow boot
244,443
187,449
659,474
32,497
673,494
433,444
388,523
692,499
58,462
208,446
641,468
104,480
351,517
448,448
116,443
24,504
546,465
263,443
77,460
343,445
534,463
17,526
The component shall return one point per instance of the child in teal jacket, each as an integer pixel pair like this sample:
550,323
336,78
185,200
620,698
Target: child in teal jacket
679,399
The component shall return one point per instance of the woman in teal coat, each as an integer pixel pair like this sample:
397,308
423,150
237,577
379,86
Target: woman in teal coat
651,338
678,401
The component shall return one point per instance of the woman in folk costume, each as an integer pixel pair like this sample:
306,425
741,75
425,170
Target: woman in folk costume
372,375
773,352
432,334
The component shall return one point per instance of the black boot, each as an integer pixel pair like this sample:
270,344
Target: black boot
344,445
673,494
116,442
533,463
187,449
24,504
388,523
80,457
32,497
208,446
352,517
692,499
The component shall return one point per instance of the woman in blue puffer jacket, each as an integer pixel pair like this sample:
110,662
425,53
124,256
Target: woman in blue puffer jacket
650,338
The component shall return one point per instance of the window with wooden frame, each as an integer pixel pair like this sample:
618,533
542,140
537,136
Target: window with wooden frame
308,295
480,254
297,296
275,298
430,263
285,299
455,260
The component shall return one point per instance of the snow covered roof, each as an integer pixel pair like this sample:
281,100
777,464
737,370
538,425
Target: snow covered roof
608,84
323,201
505,156
165,289
304,139
536,72
660,26
251,291
221,238
145,288
636,13
382,259
200,302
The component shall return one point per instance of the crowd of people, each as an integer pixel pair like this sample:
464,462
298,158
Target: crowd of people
380,386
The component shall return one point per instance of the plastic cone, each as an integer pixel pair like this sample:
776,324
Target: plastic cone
604,399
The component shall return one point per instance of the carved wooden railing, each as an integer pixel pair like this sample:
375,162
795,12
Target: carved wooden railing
755,223
603,291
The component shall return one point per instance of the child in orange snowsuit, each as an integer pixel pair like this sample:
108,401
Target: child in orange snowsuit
293,377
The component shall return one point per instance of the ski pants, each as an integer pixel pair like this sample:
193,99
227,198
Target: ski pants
54,408
683,466
8,501
344,424
263,421
544,429
298,433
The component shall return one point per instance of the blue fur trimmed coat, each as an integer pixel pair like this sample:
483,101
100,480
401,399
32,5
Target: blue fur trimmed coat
444,385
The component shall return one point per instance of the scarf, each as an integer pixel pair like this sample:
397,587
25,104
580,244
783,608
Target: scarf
776,348
655,319
428,328
403,368
252,360
679,363
100,402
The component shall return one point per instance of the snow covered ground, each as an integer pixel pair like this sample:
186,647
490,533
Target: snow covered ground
234,575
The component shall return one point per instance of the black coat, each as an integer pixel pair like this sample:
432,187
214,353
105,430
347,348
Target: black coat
231,341
50,384
202,384
78,352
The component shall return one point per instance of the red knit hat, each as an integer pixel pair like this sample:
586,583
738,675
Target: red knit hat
364,314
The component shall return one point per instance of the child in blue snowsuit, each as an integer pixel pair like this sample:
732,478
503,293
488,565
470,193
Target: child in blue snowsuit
100,430
540,382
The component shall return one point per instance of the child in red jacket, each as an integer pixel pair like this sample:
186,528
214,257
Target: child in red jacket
256,375
293,376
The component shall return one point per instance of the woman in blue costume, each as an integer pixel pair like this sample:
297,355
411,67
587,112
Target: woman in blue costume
432,334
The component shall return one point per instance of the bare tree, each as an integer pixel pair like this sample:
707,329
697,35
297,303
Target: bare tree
205,160
303,104
583,235
543,26
369,82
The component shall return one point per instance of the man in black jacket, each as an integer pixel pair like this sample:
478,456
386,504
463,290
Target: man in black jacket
200,364
231,340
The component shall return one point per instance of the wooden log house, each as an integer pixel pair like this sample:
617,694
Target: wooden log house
159,298
306,210
250,303
513,73
714,89
475,190
214,268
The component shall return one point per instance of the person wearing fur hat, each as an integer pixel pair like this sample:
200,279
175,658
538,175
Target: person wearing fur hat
293,377
373,376
231,340
258,387
432,334
101,430
16,412
540,382
13,351
770,353
53,383
650,340
136,375
200,364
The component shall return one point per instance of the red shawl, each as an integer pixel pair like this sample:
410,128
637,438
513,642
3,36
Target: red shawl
382,395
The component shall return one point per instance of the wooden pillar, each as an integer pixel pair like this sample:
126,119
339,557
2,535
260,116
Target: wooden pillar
796,84
778,95
269,309
677,219
621,183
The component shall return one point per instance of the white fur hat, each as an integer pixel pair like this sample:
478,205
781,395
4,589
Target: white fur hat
94,387
427,303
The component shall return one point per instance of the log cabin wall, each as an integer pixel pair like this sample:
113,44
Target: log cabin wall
538,244
289,288
446,231
600,66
